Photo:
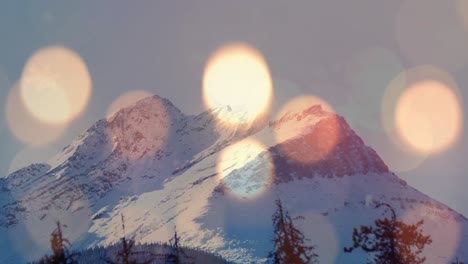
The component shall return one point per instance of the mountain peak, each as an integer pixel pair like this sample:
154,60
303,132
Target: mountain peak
161,167
152,103
311,113
329,148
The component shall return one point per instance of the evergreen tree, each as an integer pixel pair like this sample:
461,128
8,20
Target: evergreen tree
127,255
391,241
59,246
289,241
177,252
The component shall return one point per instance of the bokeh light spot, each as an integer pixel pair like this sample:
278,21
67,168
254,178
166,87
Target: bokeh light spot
318,124
55,85
246,168
441,224
26,128
34,232
237,76
125,100
45,99
421,111
428,116
316,225
28,156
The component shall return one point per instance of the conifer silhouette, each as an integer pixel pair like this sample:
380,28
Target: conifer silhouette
289,242
391,241
177,252
127,254
59,246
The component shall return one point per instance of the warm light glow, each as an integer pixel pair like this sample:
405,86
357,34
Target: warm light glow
421,114
428,116
25,127
441,224
45,99
320,129
246,168
55,85
237,76
28,156
125,100
142,131
34,232
317,225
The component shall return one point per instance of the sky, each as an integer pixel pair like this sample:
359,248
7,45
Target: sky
346,52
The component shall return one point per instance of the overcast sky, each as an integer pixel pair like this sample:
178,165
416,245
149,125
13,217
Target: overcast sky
346,52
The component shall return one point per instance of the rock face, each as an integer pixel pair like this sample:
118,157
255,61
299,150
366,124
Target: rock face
161,168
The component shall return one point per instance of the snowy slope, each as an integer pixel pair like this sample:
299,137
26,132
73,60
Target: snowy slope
160,168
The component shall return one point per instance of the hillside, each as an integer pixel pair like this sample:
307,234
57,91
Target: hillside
161,168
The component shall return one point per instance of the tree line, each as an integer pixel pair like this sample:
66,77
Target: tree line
387,241
172,252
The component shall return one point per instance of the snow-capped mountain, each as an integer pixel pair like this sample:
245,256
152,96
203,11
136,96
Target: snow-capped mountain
161,169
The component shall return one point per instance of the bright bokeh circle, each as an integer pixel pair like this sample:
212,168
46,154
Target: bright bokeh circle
317,225
25,127
314,119
26,157
125,100
441,224
246,168
428,116
237,77
422,112
55,85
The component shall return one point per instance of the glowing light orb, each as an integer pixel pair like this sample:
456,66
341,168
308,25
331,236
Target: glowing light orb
246,168
428,116
443,227
237,76
141,131
312,118
55,85
315,224
28,156
421,112
34,232
25,127
125,100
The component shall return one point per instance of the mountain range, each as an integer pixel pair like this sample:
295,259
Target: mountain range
164,169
